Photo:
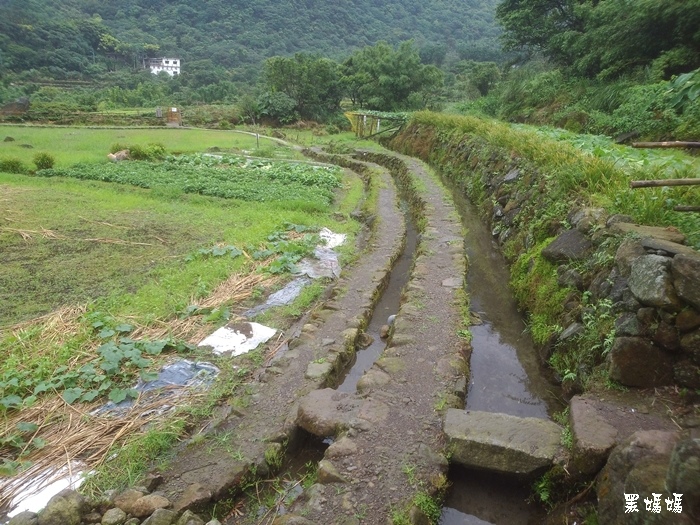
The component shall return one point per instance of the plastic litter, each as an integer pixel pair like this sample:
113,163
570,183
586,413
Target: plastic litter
281,297
238,338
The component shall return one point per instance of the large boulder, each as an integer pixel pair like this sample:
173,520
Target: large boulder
501,442
569,245
593,436
686,277
598,425
634,361
683,476
651,283
24,518
65,508
637,466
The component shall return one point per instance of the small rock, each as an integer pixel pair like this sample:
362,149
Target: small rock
452,282
634,361
26,517
195,494
92,517
152,481
125,500
65,508
328,473
512,175
132,521
190,518
628,324
147,505
651,282
686,277
161,516
115,516
666,337
384,331
626,254
343,447
364,340
572,330
688,320
569,245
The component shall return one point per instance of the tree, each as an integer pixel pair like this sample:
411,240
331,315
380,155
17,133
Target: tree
606,38
379,77
311,81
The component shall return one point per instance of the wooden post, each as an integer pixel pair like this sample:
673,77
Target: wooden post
664,182
674,144
686,208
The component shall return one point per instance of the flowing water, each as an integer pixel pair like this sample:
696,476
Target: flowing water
387,305
506,377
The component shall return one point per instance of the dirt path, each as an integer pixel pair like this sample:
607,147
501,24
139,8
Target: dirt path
389,462
245,441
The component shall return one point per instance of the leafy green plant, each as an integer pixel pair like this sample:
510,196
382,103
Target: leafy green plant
228,177
428,505
10,165
44,161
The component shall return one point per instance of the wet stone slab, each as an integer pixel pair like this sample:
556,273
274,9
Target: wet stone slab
502,443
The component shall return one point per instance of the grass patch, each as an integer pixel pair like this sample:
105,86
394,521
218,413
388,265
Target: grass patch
133,459
73,145
94,258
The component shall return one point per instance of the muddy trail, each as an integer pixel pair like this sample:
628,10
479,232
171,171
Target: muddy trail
369,423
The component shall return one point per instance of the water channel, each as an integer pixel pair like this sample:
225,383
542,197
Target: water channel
387,305
505,377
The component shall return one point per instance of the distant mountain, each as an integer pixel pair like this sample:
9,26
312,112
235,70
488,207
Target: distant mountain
88,35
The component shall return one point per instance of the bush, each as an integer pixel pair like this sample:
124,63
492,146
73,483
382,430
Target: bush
148,152
12,166
44,161
117,146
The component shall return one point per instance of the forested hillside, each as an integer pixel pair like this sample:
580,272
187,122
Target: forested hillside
66,37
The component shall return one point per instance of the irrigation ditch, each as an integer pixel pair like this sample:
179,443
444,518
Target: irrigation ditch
442,414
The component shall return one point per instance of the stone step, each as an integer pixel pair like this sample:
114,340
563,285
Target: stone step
501,443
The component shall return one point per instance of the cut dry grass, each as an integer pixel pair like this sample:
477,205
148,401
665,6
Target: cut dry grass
72,433
234,290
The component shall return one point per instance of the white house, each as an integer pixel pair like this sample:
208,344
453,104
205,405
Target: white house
170,65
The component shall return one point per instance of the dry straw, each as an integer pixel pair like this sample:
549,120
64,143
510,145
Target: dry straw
72,433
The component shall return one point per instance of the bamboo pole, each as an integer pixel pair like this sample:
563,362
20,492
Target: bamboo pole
664,182
673,144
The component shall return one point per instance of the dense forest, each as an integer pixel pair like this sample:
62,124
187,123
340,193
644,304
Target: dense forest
67,38
600,66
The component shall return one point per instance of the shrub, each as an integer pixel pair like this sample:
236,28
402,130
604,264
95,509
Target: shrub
12,166
117,146
148,152
44,161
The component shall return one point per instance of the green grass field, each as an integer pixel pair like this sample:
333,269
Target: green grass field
72,145
127,252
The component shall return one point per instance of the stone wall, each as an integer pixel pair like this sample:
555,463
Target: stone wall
646,278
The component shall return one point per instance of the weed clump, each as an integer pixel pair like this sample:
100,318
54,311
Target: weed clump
12,165
44,161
